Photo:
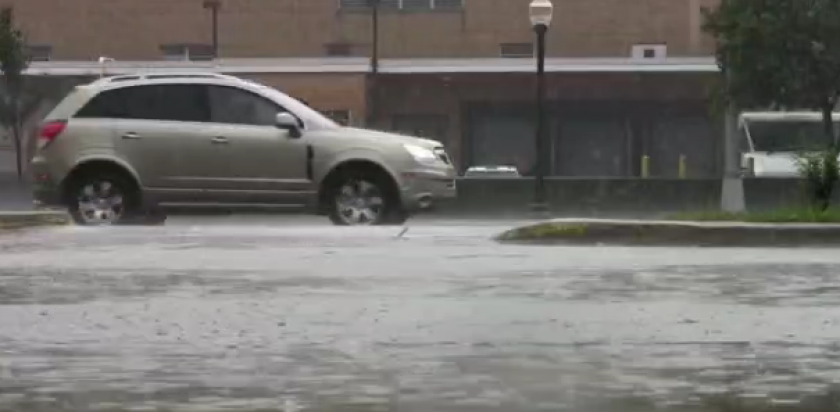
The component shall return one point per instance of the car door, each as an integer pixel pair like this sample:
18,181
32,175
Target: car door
145,133
197,161
160,131
265,164
163,120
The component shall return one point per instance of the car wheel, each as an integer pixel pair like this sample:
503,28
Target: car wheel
102,199
360,199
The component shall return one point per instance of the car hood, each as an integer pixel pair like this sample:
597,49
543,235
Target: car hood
378,136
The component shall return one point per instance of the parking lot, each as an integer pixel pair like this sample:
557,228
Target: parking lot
267,312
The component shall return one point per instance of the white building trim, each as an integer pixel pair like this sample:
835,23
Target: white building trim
387,66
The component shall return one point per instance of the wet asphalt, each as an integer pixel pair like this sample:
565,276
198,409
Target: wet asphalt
291,314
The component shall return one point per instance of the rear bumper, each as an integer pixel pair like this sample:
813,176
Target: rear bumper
423,188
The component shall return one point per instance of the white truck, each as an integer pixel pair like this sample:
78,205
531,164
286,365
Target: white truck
771,143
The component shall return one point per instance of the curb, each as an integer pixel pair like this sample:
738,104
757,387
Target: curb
672,233
21,220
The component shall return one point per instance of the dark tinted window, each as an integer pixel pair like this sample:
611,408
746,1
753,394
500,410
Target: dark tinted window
120,104
186,103
235,106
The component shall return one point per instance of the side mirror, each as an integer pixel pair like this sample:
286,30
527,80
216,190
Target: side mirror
288,122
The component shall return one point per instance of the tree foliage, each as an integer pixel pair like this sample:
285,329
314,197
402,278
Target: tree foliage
13,62
778,53
783,54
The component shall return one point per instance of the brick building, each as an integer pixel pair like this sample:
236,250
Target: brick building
625,78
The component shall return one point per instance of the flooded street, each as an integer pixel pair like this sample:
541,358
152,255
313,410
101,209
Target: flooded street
291,314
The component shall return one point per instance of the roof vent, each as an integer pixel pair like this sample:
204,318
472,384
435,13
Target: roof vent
649,51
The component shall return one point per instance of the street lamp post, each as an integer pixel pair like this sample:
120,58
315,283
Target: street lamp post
214,6
540,12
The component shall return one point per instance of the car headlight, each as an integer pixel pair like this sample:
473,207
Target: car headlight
420,154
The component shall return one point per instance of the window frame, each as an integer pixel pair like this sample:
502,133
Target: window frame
106,94
308,118
39,52
128,89
187,52
431,6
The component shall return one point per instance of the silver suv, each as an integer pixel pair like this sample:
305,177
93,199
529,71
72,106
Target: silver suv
119,146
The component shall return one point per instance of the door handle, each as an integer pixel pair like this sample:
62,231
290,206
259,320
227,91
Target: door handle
220,140
130,136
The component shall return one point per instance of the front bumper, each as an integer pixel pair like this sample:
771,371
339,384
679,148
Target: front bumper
422,188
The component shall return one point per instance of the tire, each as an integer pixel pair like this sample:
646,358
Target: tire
379,202
103,191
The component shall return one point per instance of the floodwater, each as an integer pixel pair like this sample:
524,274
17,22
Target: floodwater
291,314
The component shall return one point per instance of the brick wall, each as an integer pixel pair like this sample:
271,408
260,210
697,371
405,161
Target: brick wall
135,29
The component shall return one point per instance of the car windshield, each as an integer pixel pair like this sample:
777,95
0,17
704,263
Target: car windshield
788,135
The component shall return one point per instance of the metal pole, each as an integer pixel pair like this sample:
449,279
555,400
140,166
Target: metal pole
374,54
215,12
371,86
214,6
541,137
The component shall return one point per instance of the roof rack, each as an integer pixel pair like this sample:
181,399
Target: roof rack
162,75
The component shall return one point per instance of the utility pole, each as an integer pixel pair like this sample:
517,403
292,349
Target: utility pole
732,188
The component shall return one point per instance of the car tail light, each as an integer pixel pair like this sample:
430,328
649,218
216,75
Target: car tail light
50,131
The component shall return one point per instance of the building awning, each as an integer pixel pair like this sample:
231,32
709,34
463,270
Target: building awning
386,66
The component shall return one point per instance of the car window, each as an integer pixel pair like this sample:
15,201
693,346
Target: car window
118,104
183,102
175,102
236,106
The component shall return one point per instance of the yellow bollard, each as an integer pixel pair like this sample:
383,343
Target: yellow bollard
682,167
645,166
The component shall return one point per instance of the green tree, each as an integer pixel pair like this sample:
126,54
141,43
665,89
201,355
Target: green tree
783,54
13,62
